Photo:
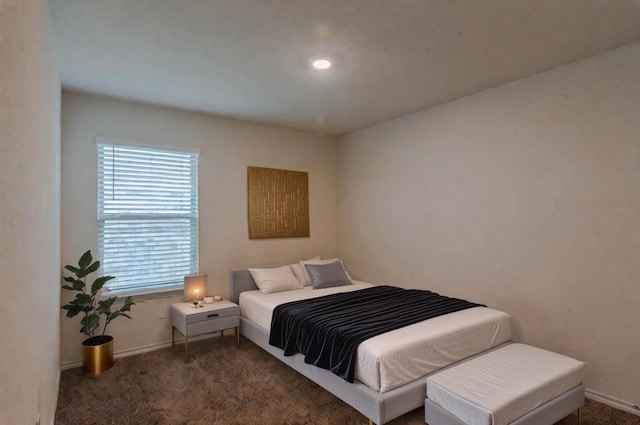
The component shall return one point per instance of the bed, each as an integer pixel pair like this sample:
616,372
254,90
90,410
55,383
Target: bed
392,368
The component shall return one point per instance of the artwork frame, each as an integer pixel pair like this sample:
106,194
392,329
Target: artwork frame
278,203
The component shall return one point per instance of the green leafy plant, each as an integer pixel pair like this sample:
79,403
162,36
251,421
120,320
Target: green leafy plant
87,301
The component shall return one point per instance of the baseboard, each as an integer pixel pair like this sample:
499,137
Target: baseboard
140,350
610,401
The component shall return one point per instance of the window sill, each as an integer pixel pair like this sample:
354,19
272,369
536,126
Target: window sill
145,294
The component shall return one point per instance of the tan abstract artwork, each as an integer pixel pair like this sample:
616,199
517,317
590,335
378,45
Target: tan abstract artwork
278,203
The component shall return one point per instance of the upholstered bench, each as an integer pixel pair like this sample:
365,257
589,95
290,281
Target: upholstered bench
515,384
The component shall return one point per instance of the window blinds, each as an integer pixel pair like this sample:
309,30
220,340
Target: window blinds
147,217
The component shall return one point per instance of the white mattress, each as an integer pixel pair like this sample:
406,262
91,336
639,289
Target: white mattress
395,358
503,385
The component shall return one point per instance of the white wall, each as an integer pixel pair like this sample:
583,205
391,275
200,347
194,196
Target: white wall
29,215
525,197
226,148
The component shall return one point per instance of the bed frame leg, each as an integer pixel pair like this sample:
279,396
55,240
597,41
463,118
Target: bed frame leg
580,416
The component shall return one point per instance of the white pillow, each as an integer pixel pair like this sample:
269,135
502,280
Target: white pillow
301,273
277,279
319,261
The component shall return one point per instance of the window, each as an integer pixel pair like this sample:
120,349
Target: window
147,217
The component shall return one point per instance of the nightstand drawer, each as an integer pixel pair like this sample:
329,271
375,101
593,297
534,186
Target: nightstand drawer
218,313
213,324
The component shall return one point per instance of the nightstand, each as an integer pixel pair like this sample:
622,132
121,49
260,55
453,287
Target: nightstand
213,317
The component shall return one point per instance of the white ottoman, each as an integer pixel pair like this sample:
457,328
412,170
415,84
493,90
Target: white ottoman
515,384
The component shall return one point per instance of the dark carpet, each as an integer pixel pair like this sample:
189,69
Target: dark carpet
222,385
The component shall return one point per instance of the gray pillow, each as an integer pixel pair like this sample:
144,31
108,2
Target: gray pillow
327,275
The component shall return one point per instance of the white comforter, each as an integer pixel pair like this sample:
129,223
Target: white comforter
395,358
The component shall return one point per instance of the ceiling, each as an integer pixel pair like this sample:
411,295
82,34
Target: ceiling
248,59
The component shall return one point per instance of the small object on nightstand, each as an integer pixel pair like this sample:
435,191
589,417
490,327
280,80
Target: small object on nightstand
208,300
217,298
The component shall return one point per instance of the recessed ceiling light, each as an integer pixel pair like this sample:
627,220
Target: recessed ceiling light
321,63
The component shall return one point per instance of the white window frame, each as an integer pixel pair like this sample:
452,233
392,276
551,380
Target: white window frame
129,189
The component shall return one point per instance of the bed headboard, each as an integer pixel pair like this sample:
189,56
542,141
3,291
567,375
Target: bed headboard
240,280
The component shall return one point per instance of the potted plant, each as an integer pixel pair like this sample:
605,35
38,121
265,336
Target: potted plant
97,349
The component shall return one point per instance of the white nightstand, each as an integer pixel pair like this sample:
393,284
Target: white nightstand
216,316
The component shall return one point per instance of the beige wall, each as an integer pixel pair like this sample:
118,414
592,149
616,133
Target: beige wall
226,148
525,197
29,215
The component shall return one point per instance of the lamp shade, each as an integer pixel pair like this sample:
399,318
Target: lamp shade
195,286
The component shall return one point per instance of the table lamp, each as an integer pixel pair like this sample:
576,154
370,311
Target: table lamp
195,287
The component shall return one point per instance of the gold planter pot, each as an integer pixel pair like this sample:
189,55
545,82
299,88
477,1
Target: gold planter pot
97,354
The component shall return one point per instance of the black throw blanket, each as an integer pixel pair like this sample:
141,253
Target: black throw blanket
327,330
